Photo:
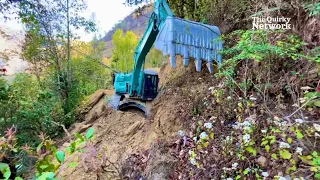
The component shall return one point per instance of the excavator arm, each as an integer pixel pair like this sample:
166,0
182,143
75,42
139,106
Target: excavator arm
156,21
173,36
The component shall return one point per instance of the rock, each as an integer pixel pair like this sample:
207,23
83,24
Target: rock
262,161
66,144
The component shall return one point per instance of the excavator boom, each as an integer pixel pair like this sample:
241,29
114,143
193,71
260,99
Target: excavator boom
173,36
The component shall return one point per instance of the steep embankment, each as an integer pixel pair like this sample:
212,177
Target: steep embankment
130,138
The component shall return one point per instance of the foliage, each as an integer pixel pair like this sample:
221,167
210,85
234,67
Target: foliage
49,158
154,58
87,65
124,49
30,108
260,46
9,155
62,70
247,135
313,8
48,42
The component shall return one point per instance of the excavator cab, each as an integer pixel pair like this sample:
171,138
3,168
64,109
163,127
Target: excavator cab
150,85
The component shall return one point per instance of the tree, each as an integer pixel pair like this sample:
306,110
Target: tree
123,51
155,58
50,23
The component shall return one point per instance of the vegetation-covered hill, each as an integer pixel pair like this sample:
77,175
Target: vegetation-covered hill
134,23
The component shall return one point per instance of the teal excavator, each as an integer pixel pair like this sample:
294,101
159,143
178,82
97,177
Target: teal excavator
173,36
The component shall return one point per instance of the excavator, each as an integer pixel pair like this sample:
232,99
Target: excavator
173,36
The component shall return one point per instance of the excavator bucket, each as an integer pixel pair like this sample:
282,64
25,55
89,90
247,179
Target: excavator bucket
190,39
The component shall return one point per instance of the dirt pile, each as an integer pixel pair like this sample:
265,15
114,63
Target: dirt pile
128,137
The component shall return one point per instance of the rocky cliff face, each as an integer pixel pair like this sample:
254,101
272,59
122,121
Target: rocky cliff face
10,47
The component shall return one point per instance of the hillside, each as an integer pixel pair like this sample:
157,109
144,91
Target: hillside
131,23
255,117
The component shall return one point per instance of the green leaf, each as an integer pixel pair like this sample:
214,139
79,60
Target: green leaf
212,135
39,146
44,166
206,144
285,154
251,150
267,148
60,156
89,134
317,175
46,175
310,95
314,154
3,166
273,139
274,156
264,143
245,172
80,136
7,173
73,164
5,169
299,134
313,169
317,103
18,178
289,140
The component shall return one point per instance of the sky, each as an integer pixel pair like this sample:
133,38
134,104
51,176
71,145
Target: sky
108,13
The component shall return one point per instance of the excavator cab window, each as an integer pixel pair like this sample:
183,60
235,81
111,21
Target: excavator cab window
150,89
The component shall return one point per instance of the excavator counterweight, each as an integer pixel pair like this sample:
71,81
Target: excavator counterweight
173,36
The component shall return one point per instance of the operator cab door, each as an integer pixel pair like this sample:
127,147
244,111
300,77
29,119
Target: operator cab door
150,89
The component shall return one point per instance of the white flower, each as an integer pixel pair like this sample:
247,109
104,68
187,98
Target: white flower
208,125
299,150
283,145
264,131
299,121
317,127
228,138
252,98
246,123
195,139
246,138
193,161
248,169
180,132
284,123
265,174
236,126
211,88
203,135
247,128
282,178
229,97
229,179
235,165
